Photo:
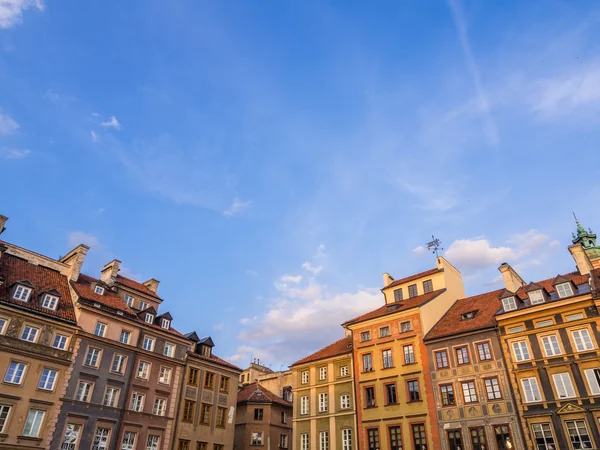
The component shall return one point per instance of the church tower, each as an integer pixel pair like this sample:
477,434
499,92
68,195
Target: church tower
587,239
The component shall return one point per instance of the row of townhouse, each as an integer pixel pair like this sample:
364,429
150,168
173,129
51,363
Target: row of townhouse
515,368
93,363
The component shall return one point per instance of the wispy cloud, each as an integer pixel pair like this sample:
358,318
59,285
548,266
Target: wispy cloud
251,272
11,11
111,123
57,97
431,197
94,136
13,153
7,124
237,207
75,238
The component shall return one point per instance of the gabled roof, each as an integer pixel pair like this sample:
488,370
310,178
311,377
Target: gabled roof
414,277
206,341
215,359
533,287
340,347
149,310
42,279
561,279
135,285
193,336
505,293
256,393
166,315
393,308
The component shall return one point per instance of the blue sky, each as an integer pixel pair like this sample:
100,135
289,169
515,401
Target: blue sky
268,161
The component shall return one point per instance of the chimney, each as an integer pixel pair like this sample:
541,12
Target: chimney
152,284
110,271
584,265
74,259
512,280
347,332
3,220
387,279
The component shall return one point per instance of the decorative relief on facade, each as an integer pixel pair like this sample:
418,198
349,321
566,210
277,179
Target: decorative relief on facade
207,396
474,411
450,414
570,408
487,366
46,335
444,374
465,370
14,327
190,392
222,400
497,408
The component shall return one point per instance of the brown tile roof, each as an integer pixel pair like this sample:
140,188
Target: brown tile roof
414,277
486,306
215,359
132,284
340,347
393,308
256,393
14,269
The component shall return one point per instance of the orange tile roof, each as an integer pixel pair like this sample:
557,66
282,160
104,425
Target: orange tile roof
137,286
215,359
575,277
340,347
402,305
255,392
413,277
14,269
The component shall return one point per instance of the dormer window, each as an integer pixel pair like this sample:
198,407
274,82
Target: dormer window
149,318
509,303
536,297
468,315
50,302
166,324
22,293
564,290
99,290
129,300
206,351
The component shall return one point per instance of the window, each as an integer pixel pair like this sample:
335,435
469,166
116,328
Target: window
22,293
578,434
344,371
516,329
137,402
544,323
395,438
84,389
224,384
71,437
413,391
160,407
304,405
304,441
345,401
478,439
188,411
166,324
283,417
412,291
33,422
164,375
47,379
323,402
484,351
384,331
387,359
409,354
573,317
283,441
110,397
143,370
521,351
441,359
4,412
419,436
143,305
50,302
373,438
101,439
509,303
118,363
129,300
305,377
323,440
128,442
462,356
583,341
593,377
169,350
367,362
405,326
100,329
193,376
542,433
492,388
468,315
427,286
209,380
125,337
536,297
205,414
99,290
257,438
365,336
398,296
563,384
221,417
29,334
2,325
183,444
14,374
148,343
469,391
447,393
322,373
455,440
149,318
152,442
346,439
531,390
92,357
551,347
201,446
258,414
564,290
390,391
369,397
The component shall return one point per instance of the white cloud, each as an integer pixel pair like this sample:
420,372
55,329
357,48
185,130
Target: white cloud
237,207
312,268
291,278
13,153
94,136
420,250
75,238
11,11
320,251
112,123
7,124
218,326
56,97
430,197
251,272
128,273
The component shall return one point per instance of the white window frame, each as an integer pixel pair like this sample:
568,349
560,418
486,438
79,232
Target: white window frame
573,317
409,354
542,429
536,297
100,329
120,361
585,339
95,359
26,334
3,323
593,378
551,345
162,378
151,340
18,372
101,438
564,290
125,333
530,385
143,305
386,356
111,396
129,300
323,402
169,349
516,329
143,370
153,442
521,351
4,415
323,440
304,405
84,391
367,367
564,385
405,326
323,373
22,293
509,303
344,371
128,442
33,425
137,402
50,302
345,401
304,377
99,290
160,406
577,427
47,379
385,331
544,323
149,318
60,341
304,441
165,323
347,439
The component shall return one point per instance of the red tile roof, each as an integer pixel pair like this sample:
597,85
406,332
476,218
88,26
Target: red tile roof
395,307
575,277
14,269
215,359
256,393
132,284
414,277
340,347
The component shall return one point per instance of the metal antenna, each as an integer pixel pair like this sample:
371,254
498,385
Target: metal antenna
434,245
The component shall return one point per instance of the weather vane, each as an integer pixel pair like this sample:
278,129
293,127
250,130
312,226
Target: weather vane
434,245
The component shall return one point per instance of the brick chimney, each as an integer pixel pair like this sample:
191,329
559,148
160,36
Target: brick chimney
584,265
512,280
74,259
109,273
3,220
152,284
